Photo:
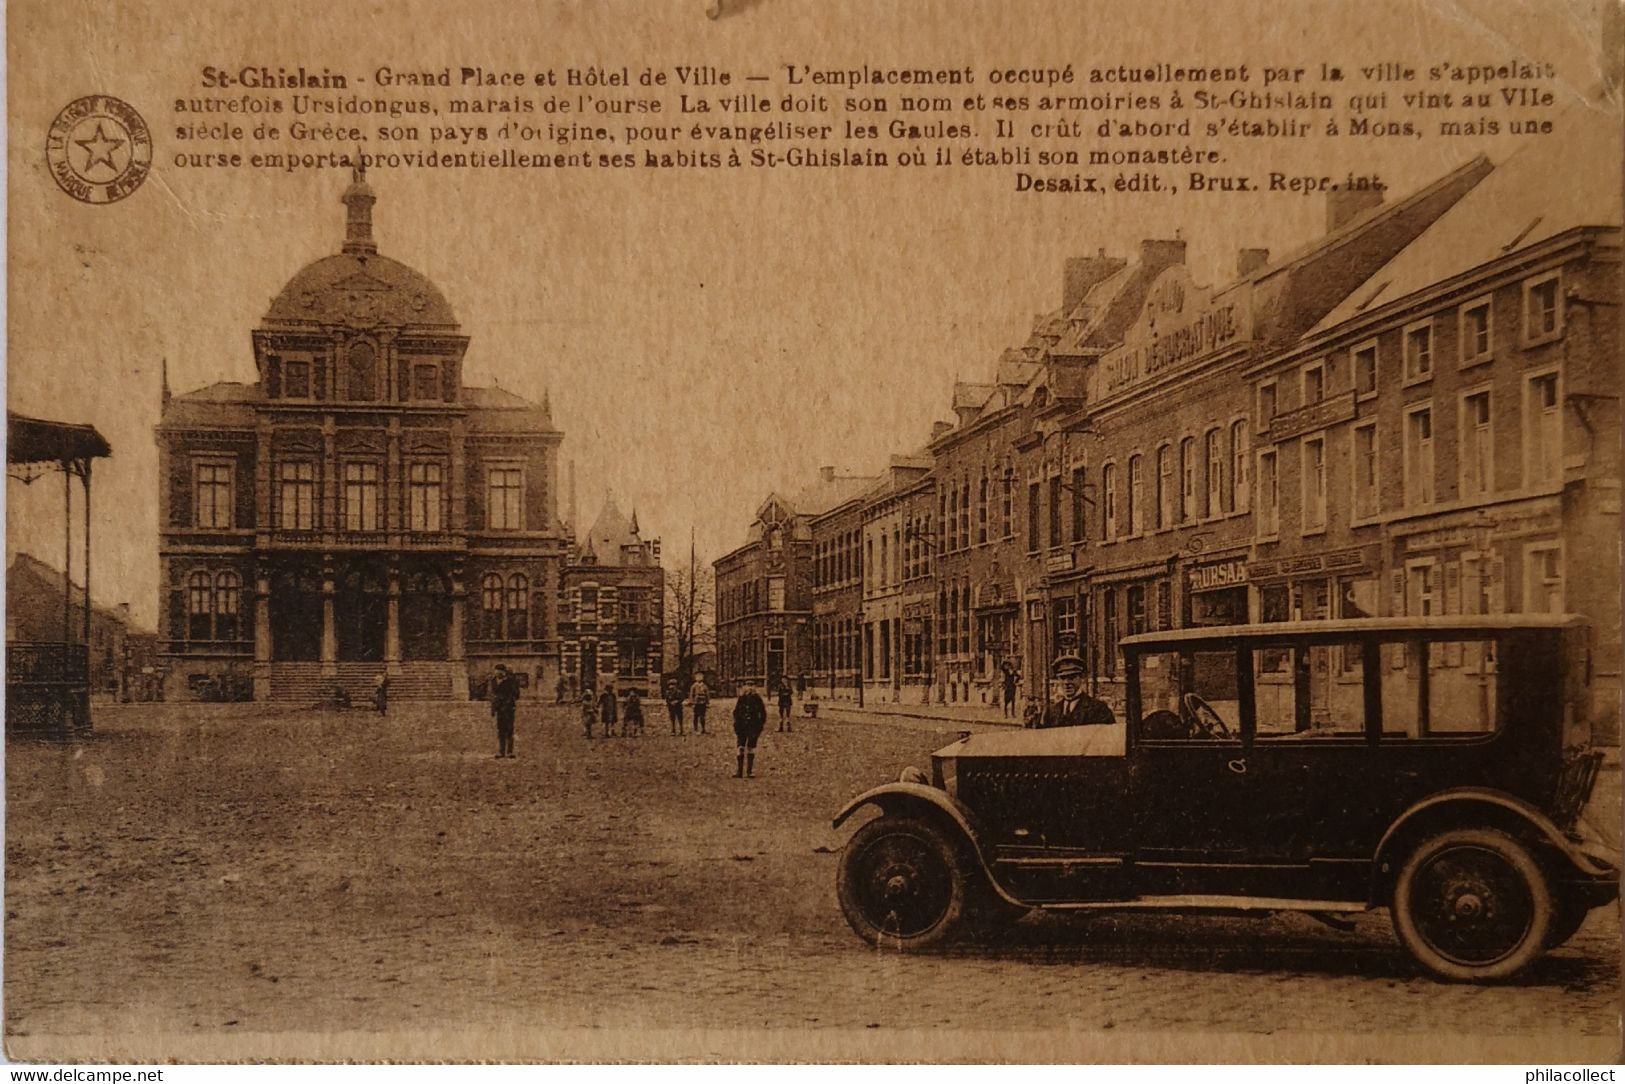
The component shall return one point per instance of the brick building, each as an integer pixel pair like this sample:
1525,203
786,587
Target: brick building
1446,439
837,598
122,656
612,598
897,593
357,508
764,588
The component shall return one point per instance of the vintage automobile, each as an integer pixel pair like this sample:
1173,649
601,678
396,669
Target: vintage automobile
1435,766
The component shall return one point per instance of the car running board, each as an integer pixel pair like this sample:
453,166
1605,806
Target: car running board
1209,903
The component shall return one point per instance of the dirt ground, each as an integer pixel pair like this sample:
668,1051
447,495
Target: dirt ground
204,874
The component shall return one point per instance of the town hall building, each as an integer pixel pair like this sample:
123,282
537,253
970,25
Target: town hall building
357,509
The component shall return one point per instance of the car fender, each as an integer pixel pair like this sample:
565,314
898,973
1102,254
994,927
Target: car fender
1588,861
899,797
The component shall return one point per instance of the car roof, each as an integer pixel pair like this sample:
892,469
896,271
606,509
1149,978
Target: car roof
1469,623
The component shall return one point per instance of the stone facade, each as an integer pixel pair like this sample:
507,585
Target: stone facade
358,509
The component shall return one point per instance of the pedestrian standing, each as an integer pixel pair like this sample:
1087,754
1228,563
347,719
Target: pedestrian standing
607,710
700,696
589,709
504,694
785,704
632,719
674,705
380,692
1011,679
750,719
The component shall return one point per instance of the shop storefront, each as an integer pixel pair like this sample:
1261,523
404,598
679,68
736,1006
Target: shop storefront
1216,593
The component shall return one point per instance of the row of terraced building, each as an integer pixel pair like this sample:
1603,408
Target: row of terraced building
1416,413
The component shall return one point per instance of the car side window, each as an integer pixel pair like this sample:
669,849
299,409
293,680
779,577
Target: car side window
1319,692
1189,695
1441,688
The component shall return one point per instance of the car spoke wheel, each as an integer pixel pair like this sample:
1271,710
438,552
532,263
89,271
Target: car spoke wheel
901,884
1472,905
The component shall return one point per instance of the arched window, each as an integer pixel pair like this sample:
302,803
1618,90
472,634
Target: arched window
1108,489
227,603
1136,495
518,606
491,606
1240,452
199,606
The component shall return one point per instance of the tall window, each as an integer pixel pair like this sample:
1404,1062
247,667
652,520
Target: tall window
1055,510
361,369
885,562
1475,331
1542,309
199,606
1136,494
1009,484
491,598
518,608
981,510
1165,486
1080,485
1543,578
1032,517
504,505
361,497
1542,430
1364,465
1314,383
1187,478
1269,505
1215,473
214,495
1109,631
1365,369
1476,447
964,515
953,519
1108,489
227,605
1418,457
1267,404
1240,455
1314,483
296,495
424,498
1419,351
426,381
942,515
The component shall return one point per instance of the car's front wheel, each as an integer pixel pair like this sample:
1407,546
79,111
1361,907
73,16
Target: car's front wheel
1472,905
901,884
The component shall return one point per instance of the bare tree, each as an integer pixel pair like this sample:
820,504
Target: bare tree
690,598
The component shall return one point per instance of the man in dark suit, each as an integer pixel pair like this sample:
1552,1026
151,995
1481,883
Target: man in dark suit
1076,707
750,717
504,699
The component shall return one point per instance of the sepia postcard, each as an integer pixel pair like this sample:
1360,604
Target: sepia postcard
794,530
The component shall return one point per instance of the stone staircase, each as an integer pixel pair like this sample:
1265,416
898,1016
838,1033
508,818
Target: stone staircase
302,682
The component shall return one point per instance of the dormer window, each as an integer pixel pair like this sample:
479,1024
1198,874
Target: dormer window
296,379
425,380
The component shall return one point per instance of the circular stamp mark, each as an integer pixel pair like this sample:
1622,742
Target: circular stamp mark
99,149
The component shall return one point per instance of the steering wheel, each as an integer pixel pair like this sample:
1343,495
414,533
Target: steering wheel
1206,720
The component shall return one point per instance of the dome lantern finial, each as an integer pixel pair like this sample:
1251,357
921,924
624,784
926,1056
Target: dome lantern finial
358,201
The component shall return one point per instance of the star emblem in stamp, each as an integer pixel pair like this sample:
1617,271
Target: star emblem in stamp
99,149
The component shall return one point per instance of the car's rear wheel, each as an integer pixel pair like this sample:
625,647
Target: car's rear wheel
1472,905
901,884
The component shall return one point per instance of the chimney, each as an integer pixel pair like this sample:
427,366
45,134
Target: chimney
939,428
1082,274
826,474
1159,254
1249,260
1343,205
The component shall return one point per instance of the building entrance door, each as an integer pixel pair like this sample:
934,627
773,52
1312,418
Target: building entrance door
589,665
775,660
361,613
425,615
296,615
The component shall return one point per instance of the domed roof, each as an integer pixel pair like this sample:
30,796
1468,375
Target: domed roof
358,286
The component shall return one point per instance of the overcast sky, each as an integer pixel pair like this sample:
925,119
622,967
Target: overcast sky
705,336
